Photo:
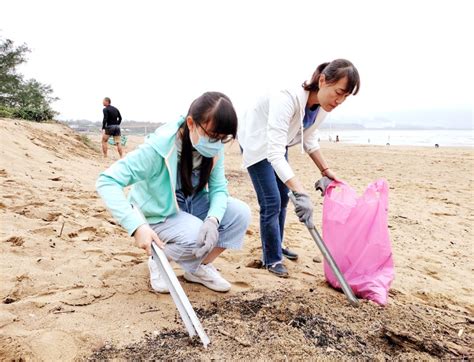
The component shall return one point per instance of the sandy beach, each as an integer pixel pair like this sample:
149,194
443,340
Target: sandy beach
73,285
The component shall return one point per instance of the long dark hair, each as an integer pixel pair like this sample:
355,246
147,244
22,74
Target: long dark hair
333,72
211,107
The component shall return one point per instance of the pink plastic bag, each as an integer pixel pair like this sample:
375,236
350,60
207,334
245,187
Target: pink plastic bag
355,231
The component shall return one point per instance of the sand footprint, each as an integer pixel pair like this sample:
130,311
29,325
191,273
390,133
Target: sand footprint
45,231
443,214
28,210
432,274
15,240
87,233
10,196
129,253
241,285
129,258
51,216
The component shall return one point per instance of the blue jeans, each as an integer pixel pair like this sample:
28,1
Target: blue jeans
272,195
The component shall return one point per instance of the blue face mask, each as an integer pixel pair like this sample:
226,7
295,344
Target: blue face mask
207,148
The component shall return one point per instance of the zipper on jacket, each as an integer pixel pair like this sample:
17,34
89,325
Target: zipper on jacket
171,181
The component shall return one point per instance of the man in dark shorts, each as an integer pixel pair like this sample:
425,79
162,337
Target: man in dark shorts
111,127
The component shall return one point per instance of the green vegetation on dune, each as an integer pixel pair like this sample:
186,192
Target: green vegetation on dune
19,97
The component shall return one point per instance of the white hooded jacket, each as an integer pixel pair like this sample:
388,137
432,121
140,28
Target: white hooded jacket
272,124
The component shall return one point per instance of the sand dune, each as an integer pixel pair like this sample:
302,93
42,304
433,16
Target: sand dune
72,283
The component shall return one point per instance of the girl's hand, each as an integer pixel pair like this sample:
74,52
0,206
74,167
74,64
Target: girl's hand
207,238
144,236
329,173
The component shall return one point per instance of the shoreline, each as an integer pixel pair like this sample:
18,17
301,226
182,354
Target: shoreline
133,137
392,146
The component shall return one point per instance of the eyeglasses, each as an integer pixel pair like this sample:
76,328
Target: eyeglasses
214,139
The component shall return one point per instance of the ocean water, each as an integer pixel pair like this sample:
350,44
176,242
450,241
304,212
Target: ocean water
427,138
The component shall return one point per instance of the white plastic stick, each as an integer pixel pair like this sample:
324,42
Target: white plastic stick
185,309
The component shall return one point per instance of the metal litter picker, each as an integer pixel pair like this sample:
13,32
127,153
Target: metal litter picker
321,185
180,299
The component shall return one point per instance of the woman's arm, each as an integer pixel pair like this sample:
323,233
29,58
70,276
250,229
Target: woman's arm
320,162
281,111
295,185
136,166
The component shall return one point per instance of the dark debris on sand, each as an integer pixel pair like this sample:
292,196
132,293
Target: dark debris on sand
290,324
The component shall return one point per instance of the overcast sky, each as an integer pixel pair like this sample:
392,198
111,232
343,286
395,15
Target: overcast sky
154,57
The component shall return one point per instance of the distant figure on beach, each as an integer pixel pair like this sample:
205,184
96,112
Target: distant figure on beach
436,145
368,141
111,127
275,122
337,138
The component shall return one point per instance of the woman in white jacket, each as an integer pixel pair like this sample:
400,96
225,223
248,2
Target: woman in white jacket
276,122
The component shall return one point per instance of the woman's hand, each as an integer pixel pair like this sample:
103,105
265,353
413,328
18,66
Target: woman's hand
144,236
322,165
329,173
304,208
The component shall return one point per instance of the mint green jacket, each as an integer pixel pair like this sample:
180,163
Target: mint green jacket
152,169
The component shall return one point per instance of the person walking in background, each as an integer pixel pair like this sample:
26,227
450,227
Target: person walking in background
111,127
281,120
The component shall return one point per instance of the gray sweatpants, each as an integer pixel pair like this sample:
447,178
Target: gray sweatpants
180,231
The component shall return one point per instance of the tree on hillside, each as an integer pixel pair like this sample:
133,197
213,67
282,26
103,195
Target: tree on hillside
10,80
27,99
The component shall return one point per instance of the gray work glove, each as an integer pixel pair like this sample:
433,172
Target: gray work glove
322,185
304,208
207,238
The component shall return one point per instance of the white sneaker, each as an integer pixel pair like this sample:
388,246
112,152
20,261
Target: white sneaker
156,280
208,276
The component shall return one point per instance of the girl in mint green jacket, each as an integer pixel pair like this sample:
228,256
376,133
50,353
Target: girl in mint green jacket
178,183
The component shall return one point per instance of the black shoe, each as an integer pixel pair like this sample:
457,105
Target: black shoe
279,269
291,255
